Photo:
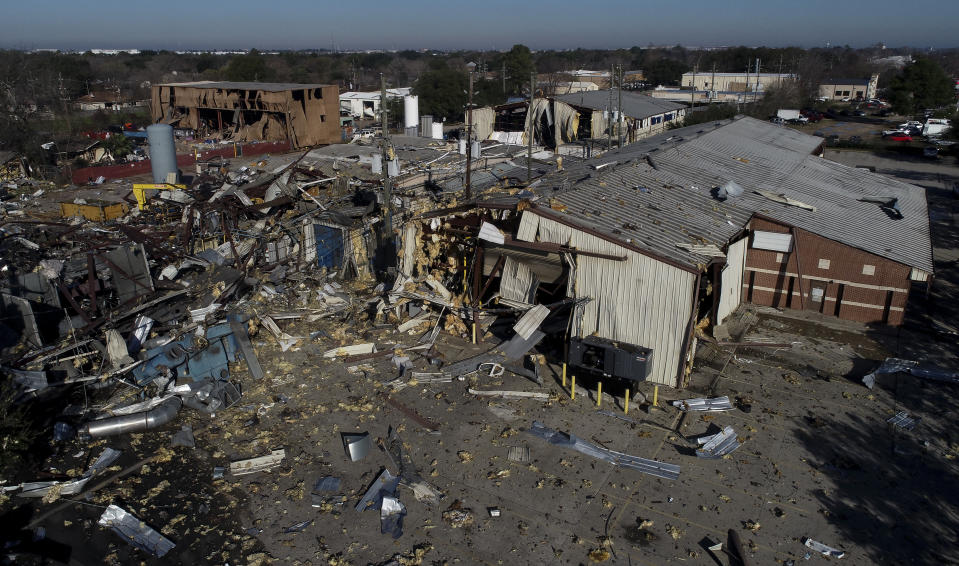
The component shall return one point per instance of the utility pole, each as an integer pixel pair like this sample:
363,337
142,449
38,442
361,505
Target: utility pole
504,80
385,140
529,135
619,106
469,130
712,83
692,93
609,105
756,90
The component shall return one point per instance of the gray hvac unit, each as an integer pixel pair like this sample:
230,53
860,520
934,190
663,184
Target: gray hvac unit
602,357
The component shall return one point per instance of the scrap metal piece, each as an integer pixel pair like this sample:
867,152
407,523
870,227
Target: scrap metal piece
282,338
353,350
327,483
530,321
297,527
135,531
263,463
893,365
822,548
72,487
718,445
392,512
357,445
384,484
702,404
903,420
419,419
518,454
651,467
511,394
153,418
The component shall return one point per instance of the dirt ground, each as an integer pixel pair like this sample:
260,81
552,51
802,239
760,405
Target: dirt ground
818,459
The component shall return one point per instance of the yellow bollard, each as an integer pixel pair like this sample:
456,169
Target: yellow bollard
599,394
564,376
626,403
573,388
656,396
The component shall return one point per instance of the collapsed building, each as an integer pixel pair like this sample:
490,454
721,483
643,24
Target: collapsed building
302,114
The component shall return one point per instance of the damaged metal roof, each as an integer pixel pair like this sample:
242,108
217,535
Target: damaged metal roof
268,87
660,192
634,105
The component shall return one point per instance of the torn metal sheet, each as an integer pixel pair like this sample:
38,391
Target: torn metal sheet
491,233
392,512
135,531
141,331
718,445
566,440
530,321
384,484
131,271
893,365
353,350
242,338
357,445
822,548
263,463
702,404
72,487
540,396
30,380
903,420
282,338
327,483
19,316
297,527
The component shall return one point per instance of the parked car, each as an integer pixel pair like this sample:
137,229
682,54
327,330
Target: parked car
855,139
930,152
859,113
910,124
900,137
812,115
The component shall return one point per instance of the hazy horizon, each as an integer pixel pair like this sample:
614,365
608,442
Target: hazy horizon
493,25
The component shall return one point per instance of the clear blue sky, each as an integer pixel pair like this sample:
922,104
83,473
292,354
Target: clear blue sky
476,24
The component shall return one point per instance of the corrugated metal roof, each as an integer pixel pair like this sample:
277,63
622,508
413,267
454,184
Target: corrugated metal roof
269,87
763,156
681,168
634,105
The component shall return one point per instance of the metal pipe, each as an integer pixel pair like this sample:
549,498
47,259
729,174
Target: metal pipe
155,417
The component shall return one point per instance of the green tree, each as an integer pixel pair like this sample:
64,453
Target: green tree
118,145
664,72
519,64
922,84
249,67
442,93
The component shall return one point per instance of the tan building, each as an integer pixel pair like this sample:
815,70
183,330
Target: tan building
735,82
853,89
303,114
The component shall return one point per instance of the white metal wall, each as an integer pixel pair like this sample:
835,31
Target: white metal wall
731,291
641,301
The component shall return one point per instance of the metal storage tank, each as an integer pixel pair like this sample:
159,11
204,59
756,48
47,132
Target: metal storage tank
426,125
411,111
162,152
437,130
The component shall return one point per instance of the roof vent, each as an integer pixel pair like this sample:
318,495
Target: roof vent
729,189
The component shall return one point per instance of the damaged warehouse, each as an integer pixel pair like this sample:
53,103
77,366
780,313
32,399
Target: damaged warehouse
665,237
302,114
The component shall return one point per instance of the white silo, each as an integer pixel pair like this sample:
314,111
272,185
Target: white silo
411,111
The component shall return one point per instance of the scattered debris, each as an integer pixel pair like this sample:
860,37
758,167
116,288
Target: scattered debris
894,365
718,445
822,548
260,464
701,404
135,531
651,467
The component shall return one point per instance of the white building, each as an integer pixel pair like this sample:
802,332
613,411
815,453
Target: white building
367,104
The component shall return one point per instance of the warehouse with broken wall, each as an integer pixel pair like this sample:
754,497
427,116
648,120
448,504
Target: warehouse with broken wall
569,123
303,114
650,246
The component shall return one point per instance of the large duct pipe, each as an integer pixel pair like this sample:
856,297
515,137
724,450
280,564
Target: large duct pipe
162,152
157,416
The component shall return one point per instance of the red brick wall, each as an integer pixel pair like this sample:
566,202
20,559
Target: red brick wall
769,282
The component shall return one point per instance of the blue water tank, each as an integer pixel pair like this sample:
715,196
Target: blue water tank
162,151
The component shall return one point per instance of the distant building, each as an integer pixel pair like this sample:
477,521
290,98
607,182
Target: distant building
853,89
303,114
102,100
367,104
735,82
574,86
